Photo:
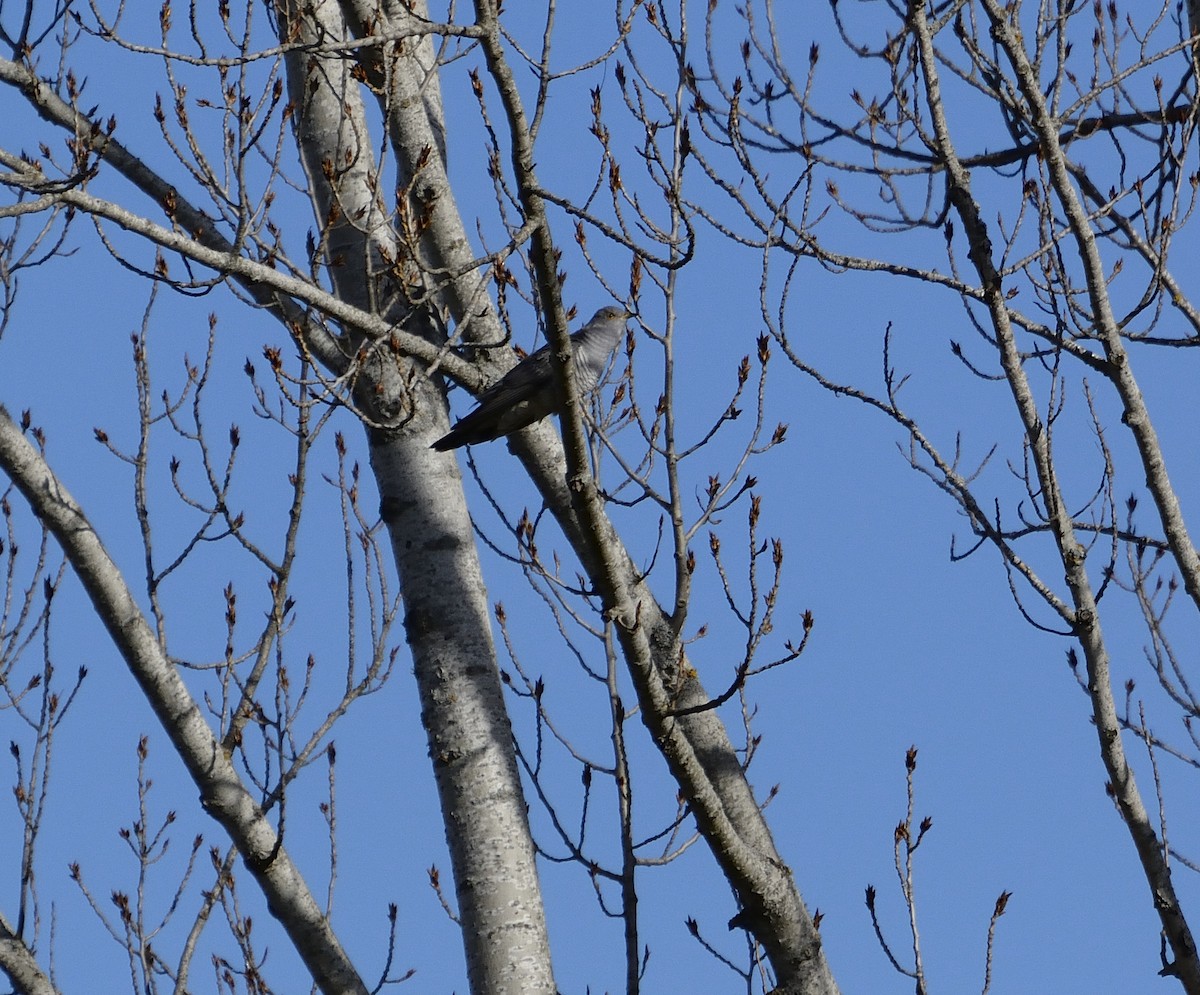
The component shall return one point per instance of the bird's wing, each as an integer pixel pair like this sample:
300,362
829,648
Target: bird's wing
519,383
521,397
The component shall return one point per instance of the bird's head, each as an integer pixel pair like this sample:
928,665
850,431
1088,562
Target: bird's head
611,313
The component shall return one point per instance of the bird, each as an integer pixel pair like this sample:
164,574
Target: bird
526,393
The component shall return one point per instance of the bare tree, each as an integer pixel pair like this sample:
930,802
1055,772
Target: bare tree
334,111
300,167
1037,163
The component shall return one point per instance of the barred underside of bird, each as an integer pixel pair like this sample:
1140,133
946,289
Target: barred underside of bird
526,393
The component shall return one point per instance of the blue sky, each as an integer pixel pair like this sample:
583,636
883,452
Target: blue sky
908,647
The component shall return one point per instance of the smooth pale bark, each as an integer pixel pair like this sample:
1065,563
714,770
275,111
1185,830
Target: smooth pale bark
222,792
470,739
423,505
696,746
18,962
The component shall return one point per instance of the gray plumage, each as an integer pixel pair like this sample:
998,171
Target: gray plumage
526,394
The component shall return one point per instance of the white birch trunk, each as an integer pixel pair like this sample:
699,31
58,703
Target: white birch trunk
424,508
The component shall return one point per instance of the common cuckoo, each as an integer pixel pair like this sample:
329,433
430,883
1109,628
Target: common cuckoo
526,393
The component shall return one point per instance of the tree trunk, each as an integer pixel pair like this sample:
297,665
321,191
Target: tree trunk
423,505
